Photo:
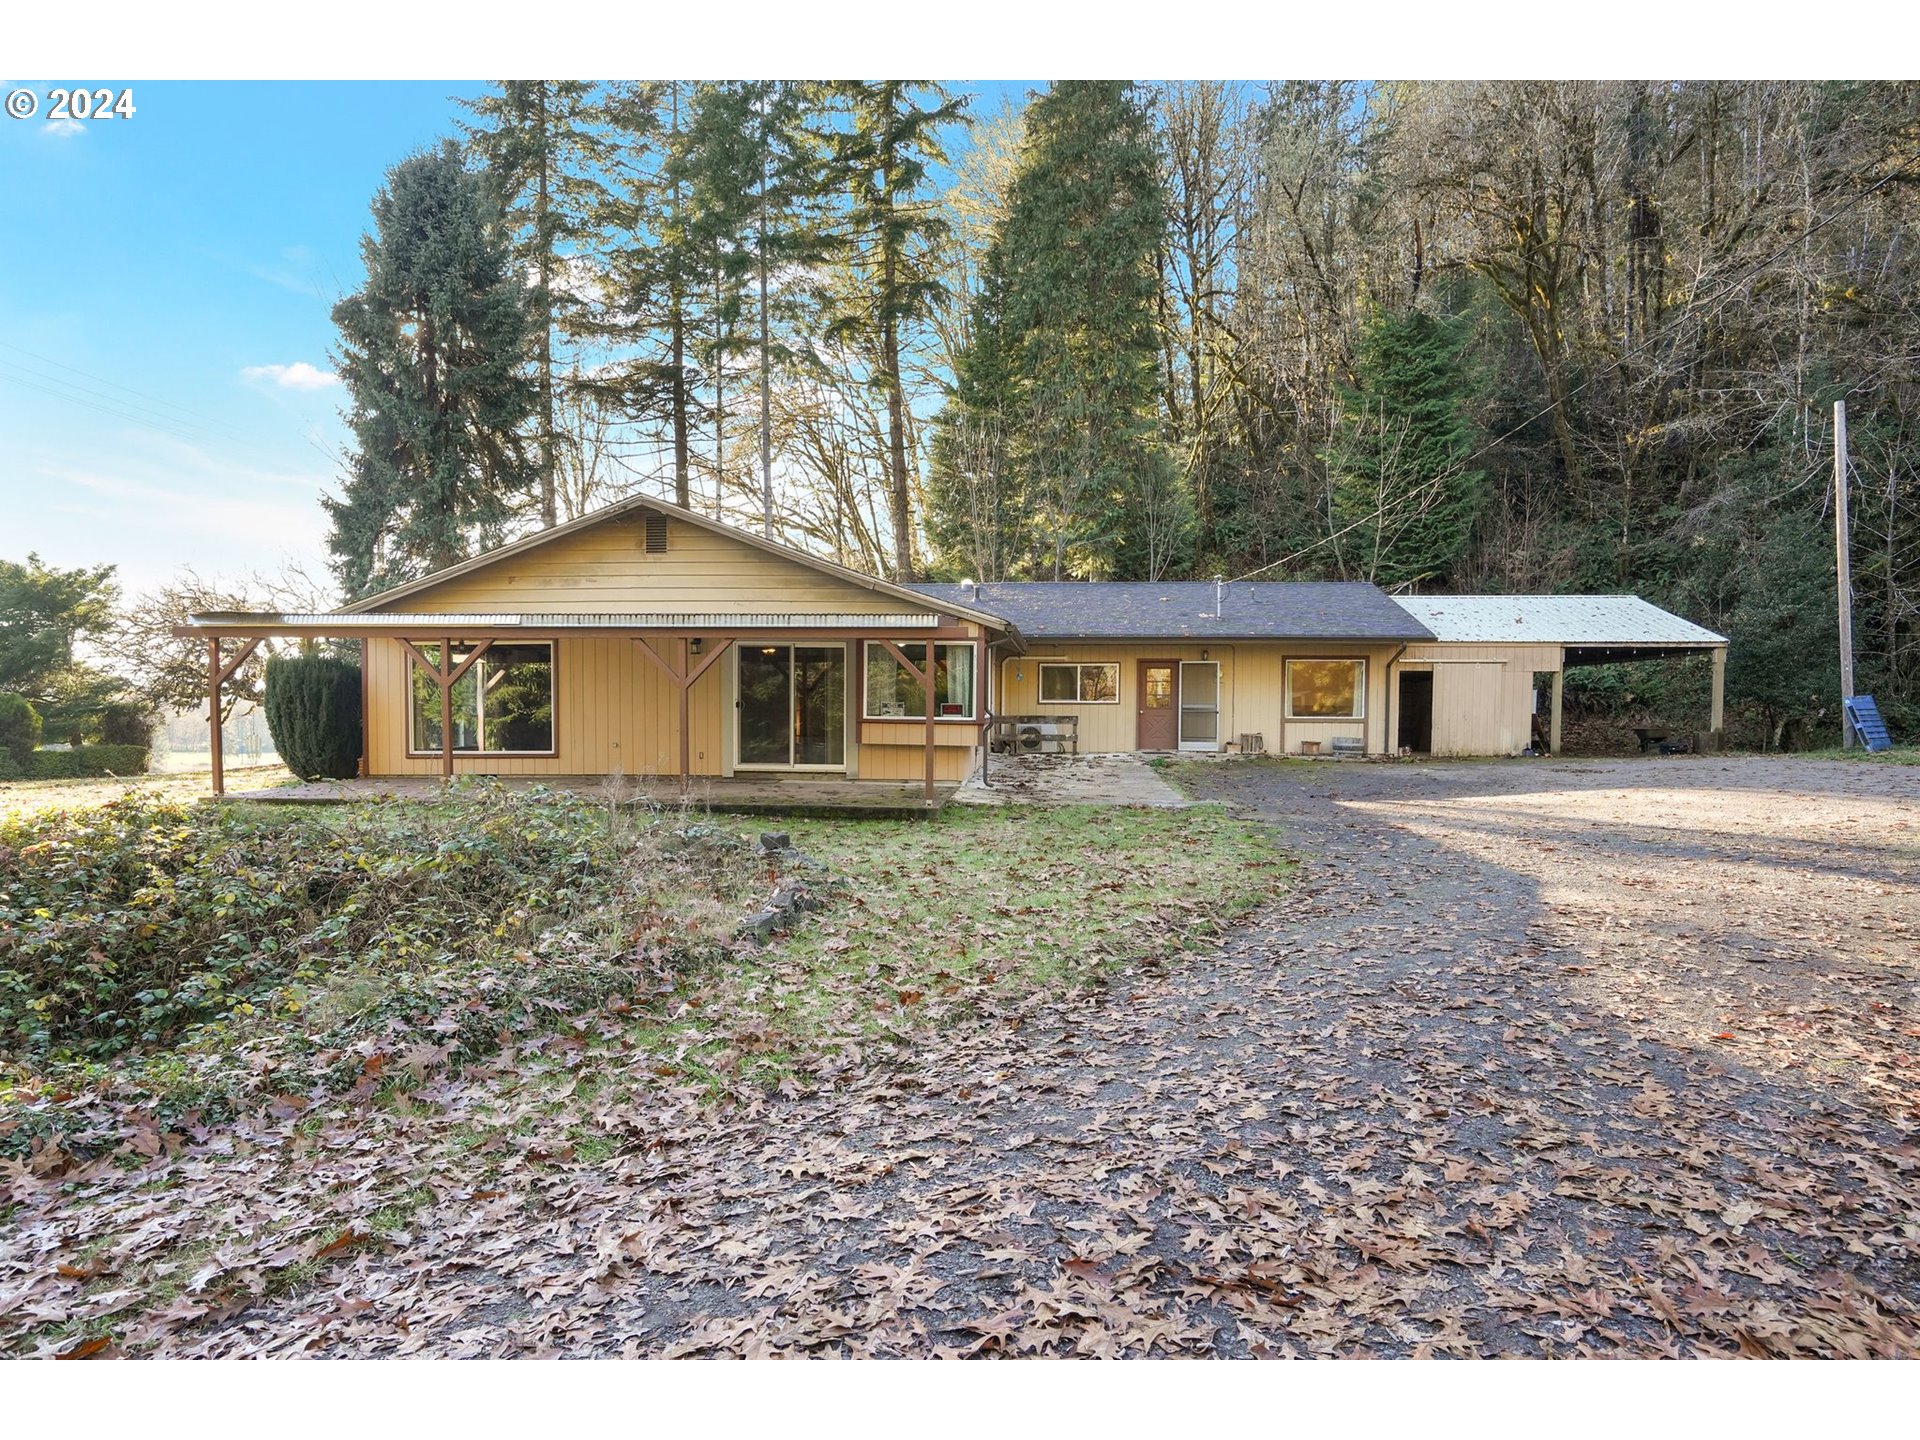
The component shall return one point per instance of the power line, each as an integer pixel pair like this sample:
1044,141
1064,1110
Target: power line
178,434
98,379
147,413
1718,298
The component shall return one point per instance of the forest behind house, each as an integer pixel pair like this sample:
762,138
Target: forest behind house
1527,337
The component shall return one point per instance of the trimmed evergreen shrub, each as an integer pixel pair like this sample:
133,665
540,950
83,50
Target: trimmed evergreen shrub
87,762
126,724
313,713
19,730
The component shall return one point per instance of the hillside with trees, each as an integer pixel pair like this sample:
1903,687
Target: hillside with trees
1495,336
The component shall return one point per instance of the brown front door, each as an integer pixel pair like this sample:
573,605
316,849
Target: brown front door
1159,705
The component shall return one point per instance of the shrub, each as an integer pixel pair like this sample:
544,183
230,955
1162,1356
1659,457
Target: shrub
19,729
125,724
87,762
135,925
313,713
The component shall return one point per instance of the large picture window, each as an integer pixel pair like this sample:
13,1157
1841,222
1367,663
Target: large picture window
1326,689
1080,684
893,694
503,705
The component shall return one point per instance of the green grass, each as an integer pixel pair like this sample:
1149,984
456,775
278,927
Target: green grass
976,908
1899,755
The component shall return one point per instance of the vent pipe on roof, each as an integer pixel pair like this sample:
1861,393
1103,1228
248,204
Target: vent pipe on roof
1219,594
966,589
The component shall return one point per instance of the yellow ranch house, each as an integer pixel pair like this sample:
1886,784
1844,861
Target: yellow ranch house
647,640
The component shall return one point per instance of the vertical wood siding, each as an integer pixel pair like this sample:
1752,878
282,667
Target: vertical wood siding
1252,691
1482,694
614,713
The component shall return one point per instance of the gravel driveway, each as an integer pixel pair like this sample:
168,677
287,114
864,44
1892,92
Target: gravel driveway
1534,1059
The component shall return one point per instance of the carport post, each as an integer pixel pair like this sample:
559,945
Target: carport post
1716,714
1553,713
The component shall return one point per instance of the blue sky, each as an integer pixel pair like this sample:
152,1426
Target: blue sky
163,282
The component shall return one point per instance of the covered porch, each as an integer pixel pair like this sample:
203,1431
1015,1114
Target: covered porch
651,700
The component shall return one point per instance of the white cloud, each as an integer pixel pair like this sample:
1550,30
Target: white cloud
62,127
297,376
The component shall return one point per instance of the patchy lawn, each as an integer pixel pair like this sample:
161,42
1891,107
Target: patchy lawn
29,797
366,1107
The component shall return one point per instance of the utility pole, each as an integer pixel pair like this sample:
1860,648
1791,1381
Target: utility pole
766,401
1844,565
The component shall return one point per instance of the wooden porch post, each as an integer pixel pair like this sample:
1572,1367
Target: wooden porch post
683,677
217,677
933,669
686,714
1553,720
446,675
924,678
213,716
446,708
1717,712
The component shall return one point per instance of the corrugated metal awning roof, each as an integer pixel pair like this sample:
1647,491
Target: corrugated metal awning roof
1612,621
429,623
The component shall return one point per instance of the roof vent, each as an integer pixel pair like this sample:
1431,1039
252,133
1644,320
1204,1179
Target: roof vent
967,588
656,533
1219,594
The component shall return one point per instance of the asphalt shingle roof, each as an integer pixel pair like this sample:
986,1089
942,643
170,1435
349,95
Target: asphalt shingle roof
1184,609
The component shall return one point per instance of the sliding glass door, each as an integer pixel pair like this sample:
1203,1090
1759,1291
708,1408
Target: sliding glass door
793,707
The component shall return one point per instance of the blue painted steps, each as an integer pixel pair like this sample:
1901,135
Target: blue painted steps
1868,725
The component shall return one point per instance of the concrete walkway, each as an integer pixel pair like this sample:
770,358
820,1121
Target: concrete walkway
1072,780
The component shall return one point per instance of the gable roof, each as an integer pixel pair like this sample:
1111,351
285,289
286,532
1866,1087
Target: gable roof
635,504
1184,609
1574,620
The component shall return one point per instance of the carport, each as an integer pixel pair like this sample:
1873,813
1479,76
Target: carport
1488,648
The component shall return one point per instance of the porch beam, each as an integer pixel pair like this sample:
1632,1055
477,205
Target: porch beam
217,676
347,630
446,708
683,676
645,646
213,716
924,678
927,685
480,648
228,671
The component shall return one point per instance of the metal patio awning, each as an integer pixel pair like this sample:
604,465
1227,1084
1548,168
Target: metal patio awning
341,626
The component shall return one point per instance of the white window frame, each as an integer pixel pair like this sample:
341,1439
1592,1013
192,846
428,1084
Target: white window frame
866,692
1039,680
1359,689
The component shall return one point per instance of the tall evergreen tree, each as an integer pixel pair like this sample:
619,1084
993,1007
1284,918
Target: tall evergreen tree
1078,263
541,151
431,350
683,166
1403,497
977,513
890,230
